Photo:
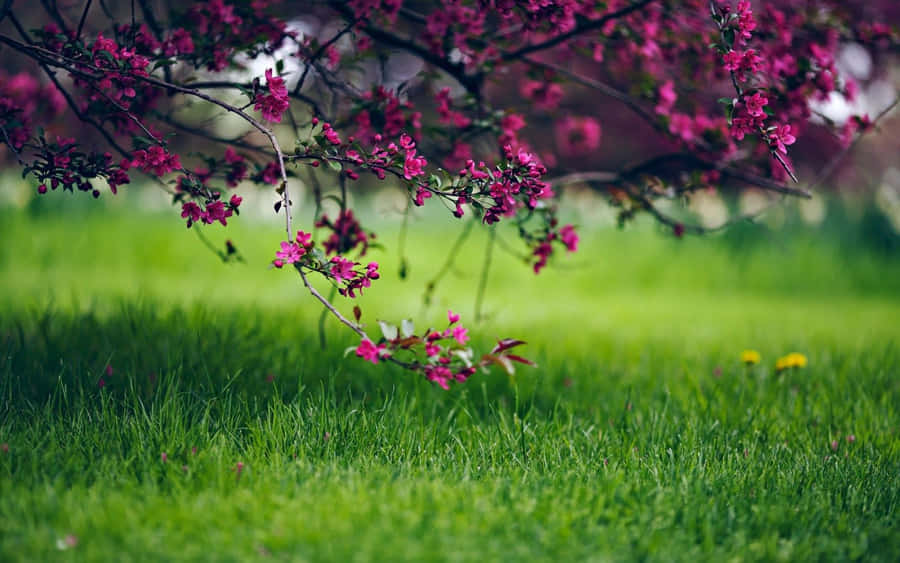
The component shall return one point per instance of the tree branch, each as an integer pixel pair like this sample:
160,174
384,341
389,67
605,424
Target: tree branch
471,82
578,30
84,13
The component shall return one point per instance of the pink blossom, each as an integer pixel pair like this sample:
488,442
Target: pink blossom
667,98
732,60
413,165
440,375
543,252
577,136
461,334
271,174
746,24
432,349
232,157
368,351
421,195
331,135
342,269
274,104
191,211
290,253
304,239
452,317
181,42
755,104
569,238
781,136
216,211
546,95
156,160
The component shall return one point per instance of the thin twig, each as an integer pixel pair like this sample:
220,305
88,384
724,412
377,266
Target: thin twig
84,13
322,318
485,272
448,263
834,161
327,304
8,142
319,52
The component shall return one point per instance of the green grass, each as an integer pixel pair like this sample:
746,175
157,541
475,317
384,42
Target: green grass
639,437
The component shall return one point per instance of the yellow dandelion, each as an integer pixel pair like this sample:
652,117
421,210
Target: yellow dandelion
750,357
792,360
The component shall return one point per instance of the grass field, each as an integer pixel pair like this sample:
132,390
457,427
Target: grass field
639,437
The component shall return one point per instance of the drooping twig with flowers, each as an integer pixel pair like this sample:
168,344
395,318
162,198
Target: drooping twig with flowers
448,131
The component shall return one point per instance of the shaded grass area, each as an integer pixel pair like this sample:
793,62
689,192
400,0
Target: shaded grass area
639,437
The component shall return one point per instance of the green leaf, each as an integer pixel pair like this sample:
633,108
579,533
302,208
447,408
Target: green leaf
729,37
319,256
335,165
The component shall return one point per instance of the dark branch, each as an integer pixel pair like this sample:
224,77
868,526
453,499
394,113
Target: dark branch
471,82
578,30
84,13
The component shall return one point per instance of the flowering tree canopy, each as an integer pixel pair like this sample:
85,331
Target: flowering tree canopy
449,101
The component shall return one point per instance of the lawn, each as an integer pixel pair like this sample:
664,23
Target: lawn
224,432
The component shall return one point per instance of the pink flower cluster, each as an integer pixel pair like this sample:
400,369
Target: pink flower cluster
447,115
276,102
413,165
517,185
24,100
215,210
749,112
368,351
545,94
544,249
155,160
237,167
344,272
441,356
577,136
455,24
393,116
221,30
60,164
743,63
292,252
346,234
386,9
